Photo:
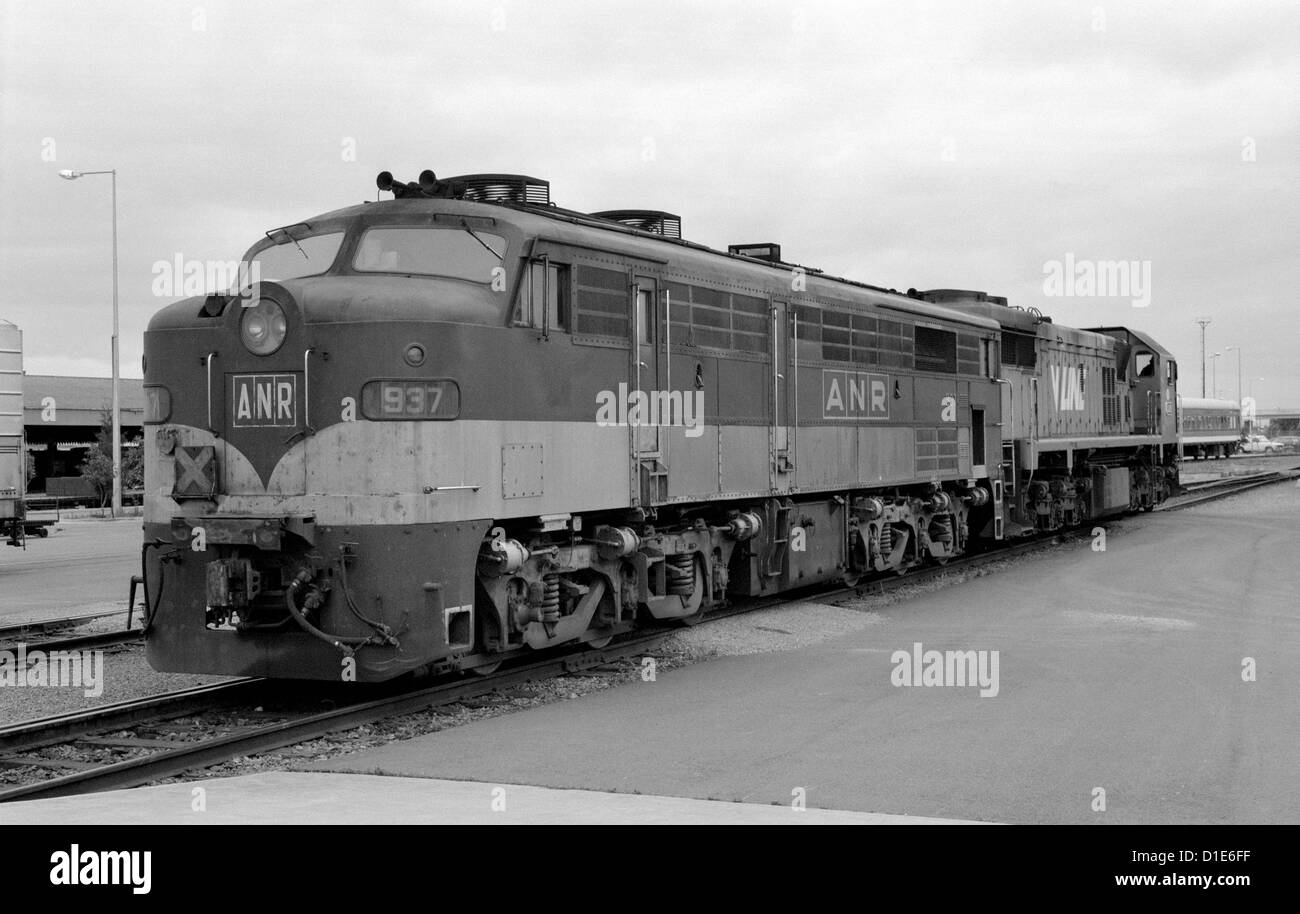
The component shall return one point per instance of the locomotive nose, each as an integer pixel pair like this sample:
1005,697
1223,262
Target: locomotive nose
259,384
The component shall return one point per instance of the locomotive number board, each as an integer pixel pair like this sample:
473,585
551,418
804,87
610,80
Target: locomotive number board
410,399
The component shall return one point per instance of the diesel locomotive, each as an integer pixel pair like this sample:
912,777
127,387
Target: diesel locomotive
438,429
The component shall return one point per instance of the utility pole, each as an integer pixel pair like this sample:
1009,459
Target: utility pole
1240,392
71,175
1204,322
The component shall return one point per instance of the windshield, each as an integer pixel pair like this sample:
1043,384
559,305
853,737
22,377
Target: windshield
290,258
460,253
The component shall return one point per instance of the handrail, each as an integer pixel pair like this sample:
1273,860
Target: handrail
208,361
306,390
664,436
794,427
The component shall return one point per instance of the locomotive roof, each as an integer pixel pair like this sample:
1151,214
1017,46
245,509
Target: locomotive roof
569,226
1138,336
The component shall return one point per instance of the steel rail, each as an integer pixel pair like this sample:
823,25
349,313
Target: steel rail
1202,497
59,728
77,642
1224,481
38,626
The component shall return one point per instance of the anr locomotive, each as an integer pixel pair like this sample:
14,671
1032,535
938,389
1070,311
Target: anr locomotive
465,422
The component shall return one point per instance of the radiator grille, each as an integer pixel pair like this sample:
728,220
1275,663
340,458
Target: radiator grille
936,350
1109,398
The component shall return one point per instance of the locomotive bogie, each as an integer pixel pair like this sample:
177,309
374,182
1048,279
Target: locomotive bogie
907,531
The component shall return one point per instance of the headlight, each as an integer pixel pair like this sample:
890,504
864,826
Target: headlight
263,327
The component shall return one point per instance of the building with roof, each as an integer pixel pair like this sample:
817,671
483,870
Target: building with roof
61,417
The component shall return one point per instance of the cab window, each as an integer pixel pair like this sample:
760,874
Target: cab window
417,250
287,256
1146,364
544,299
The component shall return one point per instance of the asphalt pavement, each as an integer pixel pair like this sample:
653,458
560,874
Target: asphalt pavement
84,565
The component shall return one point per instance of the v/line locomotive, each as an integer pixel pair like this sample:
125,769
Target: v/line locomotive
465,422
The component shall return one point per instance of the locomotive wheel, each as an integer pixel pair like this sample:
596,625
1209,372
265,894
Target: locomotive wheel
597,644
486,669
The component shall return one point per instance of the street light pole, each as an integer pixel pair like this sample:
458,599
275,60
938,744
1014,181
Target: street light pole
117,412
1214,372
1238,349
1239,391
1204,322
117,371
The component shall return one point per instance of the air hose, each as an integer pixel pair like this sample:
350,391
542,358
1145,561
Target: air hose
346,645
150,607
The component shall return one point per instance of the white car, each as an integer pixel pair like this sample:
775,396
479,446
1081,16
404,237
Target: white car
1258,444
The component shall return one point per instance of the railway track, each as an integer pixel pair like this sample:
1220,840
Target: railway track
27,736
130,728
1199,493
52,634
134,728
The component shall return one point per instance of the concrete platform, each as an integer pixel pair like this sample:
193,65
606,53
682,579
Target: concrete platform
279,798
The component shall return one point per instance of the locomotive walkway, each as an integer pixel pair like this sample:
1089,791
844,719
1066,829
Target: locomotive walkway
1151,682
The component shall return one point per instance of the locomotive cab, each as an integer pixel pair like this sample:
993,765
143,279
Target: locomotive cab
1152,377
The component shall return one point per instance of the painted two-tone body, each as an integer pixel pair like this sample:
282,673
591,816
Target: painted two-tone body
816,429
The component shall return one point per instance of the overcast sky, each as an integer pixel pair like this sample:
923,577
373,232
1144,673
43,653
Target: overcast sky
941,145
